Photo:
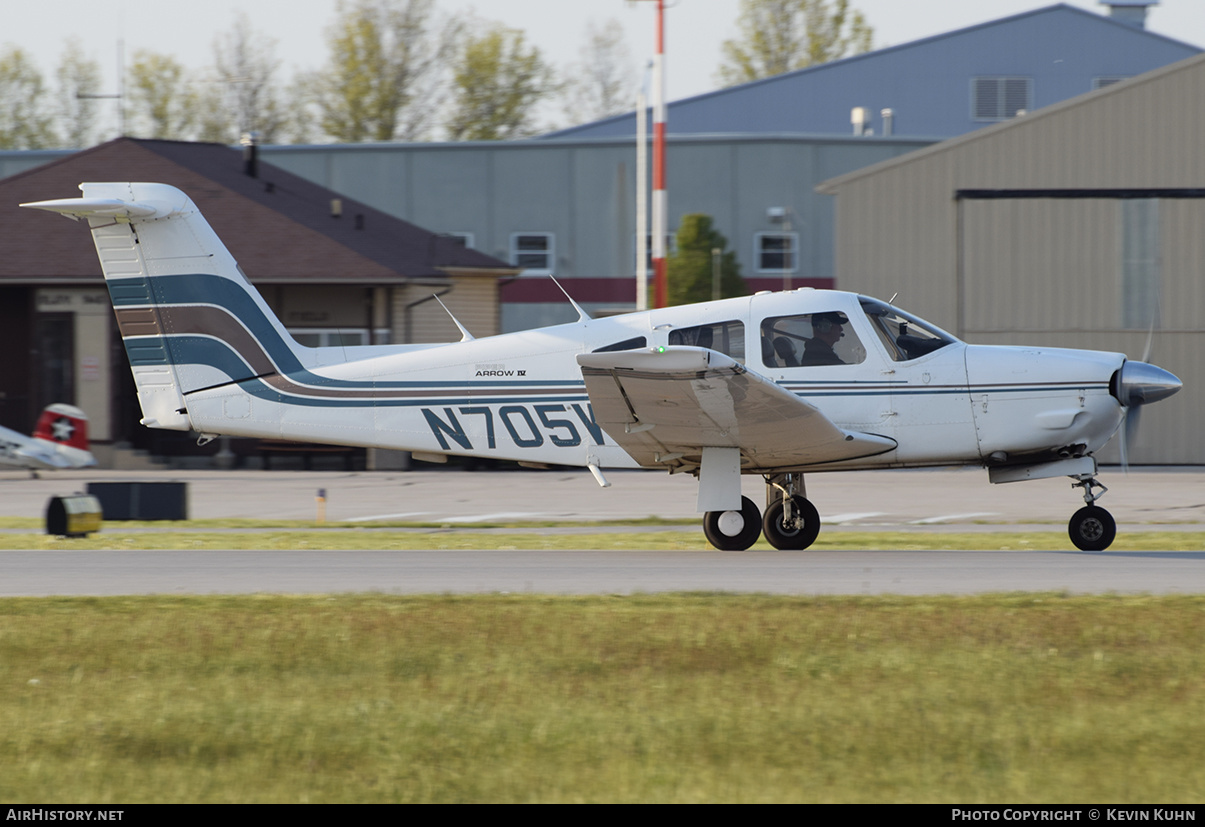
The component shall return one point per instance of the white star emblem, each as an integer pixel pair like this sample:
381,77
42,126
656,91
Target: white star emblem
62,429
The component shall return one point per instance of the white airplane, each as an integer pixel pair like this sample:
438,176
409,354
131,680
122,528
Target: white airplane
774,384
60,440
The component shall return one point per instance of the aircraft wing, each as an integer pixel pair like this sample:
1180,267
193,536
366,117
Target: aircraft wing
29,452
21,451
667,404
32,455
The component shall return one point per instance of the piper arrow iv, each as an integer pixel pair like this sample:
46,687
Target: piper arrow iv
60,440
774,384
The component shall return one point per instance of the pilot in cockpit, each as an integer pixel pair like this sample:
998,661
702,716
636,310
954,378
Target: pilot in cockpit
827,330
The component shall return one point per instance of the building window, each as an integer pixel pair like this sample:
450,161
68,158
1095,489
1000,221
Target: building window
998,99
533,251
463,239
776,252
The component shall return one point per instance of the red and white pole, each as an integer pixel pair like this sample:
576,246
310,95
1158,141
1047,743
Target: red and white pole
660,198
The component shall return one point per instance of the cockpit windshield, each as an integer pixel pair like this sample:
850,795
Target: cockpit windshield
905,337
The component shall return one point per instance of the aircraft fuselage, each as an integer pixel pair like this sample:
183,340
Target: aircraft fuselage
515,397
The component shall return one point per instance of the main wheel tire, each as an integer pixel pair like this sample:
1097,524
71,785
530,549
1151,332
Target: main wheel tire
1092,528
733,530
799,536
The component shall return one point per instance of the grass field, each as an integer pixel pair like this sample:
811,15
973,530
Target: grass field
672,698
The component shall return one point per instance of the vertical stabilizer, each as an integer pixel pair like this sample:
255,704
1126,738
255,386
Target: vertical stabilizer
62,432
188,317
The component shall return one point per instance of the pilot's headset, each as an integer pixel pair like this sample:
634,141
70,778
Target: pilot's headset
824,322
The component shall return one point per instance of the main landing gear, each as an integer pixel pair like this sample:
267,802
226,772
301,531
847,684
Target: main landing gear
791,522
1091,528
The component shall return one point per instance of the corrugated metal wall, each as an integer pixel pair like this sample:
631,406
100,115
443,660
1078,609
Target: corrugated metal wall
1068,271
583,192
418,318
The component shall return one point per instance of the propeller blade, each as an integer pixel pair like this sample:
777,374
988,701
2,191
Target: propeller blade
1129,432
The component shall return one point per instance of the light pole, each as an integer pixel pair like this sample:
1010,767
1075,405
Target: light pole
642,197
660,199
716,252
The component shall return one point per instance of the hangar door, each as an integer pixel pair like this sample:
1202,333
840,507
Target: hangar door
1095,269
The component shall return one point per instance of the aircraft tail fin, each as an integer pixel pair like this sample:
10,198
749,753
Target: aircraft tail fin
61,437
188,317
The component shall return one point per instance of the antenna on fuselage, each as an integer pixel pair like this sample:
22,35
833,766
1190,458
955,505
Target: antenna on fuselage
467,337
582,315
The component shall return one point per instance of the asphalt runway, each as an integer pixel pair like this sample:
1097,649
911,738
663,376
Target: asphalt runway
1170,499
35,573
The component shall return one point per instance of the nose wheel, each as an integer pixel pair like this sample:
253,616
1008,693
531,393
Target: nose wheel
1091,528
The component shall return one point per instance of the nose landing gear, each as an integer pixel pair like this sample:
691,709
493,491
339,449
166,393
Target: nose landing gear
1091,528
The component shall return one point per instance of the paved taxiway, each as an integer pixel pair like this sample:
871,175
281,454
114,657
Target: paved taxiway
962,500
866,499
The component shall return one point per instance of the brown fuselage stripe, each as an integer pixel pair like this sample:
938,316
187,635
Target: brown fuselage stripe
219,324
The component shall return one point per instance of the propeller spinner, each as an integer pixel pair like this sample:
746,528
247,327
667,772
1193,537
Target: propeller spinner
1135,385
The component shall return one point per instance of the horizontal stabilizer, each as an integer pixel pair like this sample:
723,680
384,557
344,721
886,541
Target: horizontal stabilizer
116,208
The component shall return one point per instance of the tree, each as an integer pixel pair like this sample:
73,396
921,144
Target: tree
689,268
779,36
301,124
161,101
602,83
77,76
24,121
242,97
498,82
387,70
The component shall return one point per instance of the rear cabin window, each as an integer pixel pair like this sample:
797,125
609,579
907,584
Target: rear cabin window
810,340
626,344
726,337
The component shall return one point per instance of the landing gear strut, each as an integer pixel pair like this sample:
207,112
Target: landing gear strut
1091,528
791,521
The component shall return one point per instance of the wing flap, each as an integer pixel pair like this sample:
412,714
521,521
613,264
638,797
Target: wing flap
663,406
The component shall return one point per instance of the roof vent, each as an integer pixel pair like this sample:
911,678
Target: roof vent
860,116
250,154
1130,12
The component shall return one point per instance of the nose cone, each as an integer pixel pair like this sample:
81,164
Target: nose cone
1141,384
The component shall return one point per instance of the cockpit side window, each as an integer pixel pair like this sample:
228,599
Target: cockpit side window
626,344
904,337
726,337
810,340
